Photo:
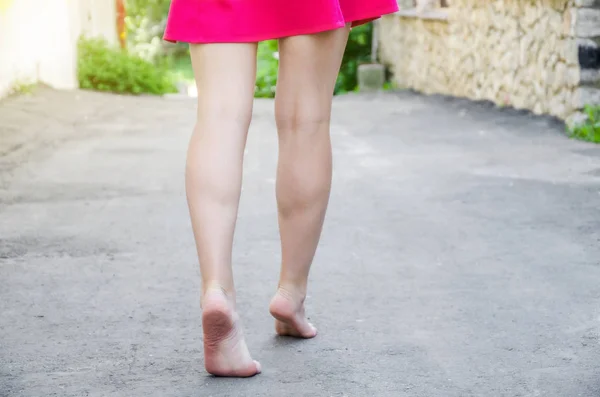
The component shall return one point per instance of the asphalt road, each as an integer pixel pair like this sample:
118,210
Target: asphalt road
460,257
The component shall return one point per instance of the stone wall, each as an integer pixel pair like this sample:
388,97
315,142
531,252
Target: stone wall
541,55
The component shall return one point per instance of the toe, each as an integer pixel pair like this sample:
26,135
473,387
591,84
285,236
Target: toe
252,369
310,331
306,329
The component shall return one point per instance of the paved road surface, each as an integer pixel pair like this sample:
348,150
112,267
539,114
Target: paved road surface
461,255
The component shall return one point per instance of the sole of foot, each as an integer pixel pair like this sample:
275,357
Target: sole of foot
290,318
225,350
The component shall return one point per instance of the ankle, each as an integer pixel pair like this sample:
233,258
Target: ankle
294,292
215,289
211,286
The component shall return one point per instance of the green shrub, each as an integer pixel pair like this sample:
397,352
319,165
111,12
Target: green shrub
266,73
357,51
146,21
104,68
588,130
154,10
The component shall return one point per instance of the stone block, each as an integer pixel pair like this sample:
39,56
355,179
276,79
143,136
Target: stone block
525,49
574,76
591,77
569,22
529,18
569,51
587,22
538,108
560,77
586,96
588,3
540,89
555,22
558,5
371,77
557,108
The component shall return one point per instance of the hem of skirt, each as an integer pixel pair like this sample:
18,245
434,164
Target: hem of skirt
358,20
174,38
355,20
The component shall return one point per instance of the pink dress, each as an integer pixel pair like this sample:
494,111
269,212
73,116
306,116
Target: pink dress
238,21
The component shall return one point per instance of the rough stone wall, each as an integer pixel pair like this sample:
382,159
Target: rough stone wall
422,70
586,27
540,55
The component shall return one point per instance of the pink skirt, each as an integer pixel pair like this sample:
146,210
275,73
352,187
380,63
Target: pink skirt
239,21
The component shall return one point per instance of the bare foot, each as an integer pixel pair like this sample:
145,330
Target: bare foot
225,350
290,320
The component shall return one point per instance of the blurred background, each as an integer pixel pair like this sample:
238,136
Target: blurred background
539,55
116,45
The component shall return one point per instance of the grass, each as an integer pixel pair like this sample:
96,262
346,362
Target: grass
22,88
589,129
392,86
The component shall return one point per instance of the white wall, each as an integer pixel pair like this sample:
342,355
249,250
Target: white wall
99,18
38,39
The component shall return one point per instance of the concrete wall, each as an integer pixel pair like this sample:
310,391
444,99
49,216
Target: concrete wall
38,39
527,54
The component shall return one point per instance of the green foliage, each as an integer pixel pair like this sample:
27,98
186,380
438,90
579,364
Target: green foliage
146,21
357,51
154,10
267,65
22,88
181,68
266,74
589,130
103,68
390,86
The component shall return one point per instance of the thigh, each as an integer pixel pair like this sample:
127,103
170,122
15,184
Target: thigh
308,69
225,76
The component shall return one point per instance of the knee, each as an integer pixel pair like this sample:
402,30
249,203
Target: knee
235,112
304,119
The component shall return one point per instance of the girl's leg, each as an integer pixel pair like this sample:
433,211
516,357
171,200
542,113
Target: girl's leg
225,76
308,69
